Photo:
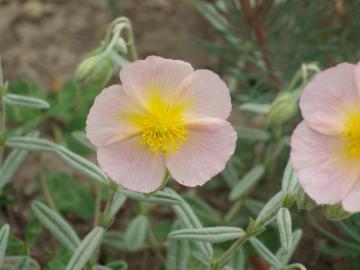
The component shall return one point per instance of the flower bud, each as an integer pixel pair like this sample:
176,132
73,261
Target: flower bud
94,70
282,109
120,46
335,212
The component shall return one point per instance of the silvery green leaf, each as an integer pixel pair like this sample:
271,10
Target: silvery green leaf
86,249
100,267
285,229
58,227
247,182
218,21
118,265
116,204
156,197
4,237
208,234
135,234
289,180
114,240
25,102
264,252
303,201
335,212
256,108
20,262
12,163
83,140
81,164
294,266
177,253
30,143
270,209
230,173
252,134
238,260
202,209
188,219
282,255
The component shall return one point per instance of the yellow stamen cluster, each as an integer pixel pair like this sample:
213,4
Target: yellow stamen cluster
162,126
352,134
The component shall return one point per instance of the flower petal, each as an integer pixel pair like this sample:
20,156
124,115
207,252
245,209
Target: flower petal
129,164
327,98
210,144
153,76
206,94
321,168
352,202
105,124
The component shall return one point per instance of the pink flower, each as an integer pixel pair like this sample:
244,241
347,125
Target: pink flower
326,145
164,116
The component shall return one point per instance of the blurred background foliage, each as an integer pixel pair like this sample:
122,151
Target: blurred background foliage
266,50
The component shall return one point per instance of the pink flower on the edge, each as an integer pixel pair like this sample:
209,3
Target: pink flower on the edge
326,145
164,116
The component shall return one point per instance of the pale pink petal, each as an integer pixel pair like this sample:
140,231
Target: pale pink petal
352,202
205,95
107,122
129,164
153,76
210,144
326,100
357,76
322,171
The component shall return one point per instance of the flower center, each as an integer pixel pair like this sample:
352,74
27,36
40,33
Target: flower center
352,134
163,128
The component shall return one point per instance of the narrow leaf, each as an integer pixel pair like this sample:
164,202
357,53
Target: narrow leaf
177,253
247,182
25,102
86,249
135,234
4,237
82,139
209,234
289,180
58,227
157,197
81,164
285,229
19,263
12,163
188,219
30,143
270,209
284,256
265,253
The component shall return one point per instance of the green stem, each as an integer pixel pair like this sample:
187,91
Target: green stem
97,205
45,188
132,47
105,218
228,254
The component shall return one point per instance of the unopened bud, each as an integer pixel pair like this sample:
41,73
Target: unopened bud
94,70
120,46
282,109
